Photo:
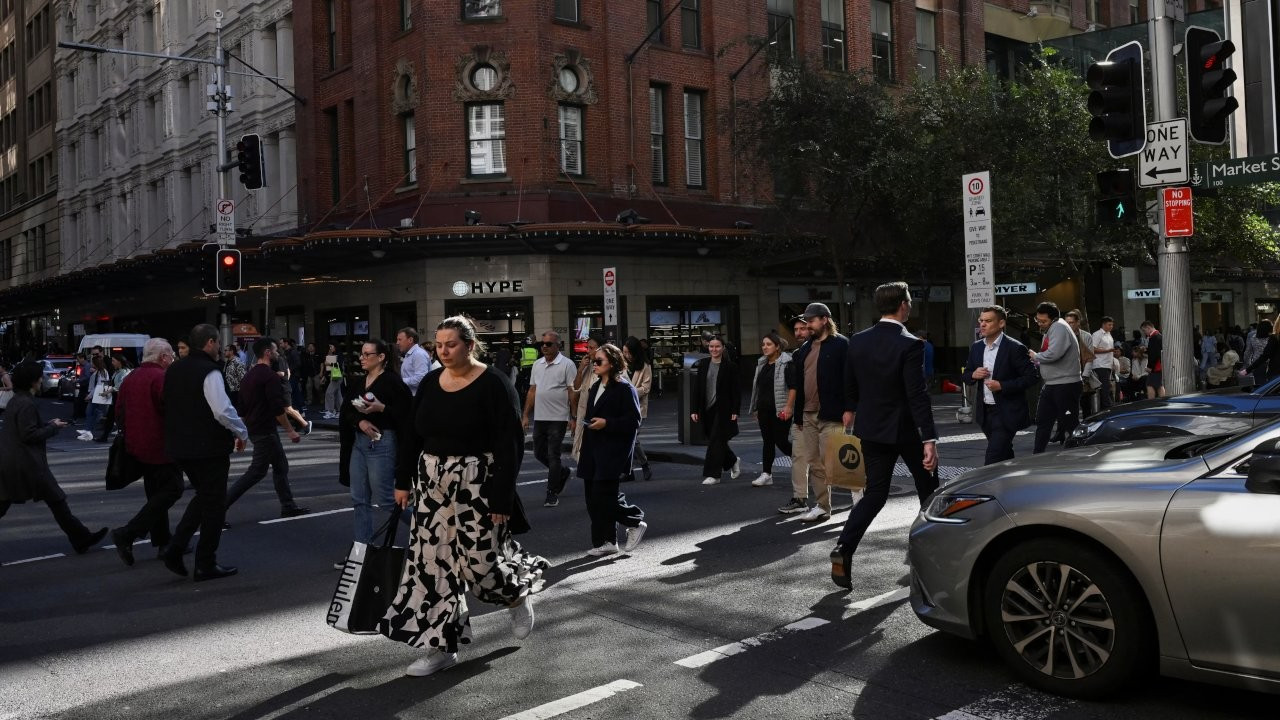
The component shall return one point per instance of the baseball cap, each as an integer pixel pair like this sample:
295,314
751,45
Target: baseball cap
816,310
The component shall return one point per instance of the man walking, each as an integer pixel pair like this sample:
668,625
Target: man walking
263,407
202,430
1000,366
1105,353
821,404
1155,357
799,456
1059,362
884,384
415,363
140,411
549,400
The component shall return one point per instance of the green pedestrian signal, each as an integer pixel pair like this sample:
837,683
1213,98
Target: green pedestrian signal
1117,197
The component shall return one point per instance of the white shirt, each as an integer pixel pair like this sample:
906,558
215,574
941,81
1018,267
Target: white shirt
414,366
215,393
989,352
1103,344
552,380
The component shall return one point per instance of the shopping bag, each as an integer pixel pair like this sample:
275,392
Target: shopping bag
368,584
842,459
122,468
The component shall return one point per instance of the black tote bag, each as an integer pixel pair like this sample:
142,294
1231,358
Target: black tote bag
368,583
122,468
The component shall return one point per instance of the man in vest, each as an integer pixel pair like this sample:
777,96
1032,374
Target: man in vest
204,428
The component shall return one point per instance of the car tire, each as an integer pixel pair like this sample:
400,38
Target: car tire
1084,638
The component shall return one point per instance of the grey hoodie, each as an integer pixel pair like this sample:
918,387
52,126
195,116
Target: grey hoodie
1060,362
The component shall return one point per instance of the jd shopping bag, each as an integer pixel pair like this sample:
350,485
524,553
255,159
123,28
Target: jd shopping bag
842,459
368,583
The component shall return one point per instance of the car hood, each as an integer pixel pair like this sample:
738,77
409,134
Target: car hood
1121,460
1200,402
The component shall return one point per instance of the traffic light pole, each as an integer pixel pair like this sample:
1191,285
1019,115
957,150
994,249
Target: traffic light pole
1178,365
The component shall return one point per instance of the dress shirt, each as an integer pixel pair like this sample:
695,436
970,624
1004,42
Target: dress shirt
989,362
215,393
415,366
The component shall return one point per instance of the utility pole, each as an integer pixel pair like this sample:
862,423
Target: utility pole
1172,261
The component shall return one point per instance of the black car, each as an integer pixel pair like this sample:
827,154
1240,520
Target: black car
1213,412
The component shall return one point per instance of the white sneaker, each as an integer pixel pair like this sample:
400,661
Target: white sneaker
605,549
433,661
633,536
84,435
764,479
815,514
711,481
522,618
736,470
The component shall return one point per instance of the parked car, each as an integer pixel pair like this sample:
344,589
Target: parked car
55,366
1090,565
1213,412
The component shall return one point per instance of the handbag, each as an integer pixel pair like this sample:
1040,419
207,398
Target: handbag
842,459
368,584
122,468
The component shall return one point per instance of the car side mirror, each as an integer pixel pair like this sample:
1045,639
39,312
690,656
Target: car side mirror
1264,474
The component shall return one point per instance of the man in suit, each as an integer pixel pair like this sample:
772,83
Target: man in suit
1003,370
884,384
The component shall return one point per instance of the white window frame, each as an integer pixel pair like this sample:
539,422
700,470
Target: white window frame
657,135
572,145
695,156
410,148
486,139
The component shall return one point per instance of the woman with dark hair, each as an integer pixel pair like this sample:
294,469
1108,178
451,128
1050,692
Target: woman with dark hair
377,415
24,463
99,399
640,374
610,426
773,396
717,399
466,421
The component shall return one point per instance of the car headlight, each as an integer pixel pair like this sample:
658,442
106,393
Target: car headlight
947,508
1084,430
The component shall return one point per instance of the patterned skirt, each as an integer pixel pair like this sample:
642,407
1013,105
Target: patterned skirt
455,547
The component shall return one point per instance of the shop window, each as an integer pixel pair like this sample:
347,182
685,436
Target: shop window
502,325
833,34
571,140
926,45
882,40
691,23
486,136
781,29
693,147
658,134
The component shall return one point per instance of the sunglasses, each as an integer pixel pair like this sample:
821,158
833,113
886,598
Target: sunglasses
598,361
549,344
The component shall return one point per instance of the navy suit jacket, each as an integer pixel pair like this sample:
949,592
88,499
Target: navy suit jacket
1016,375
884,384
607,453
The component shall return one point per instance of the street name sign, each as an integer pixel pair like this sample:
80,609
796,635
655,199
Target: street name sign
1237,171
1017,289
979,271
1179,220
610,297
1163,160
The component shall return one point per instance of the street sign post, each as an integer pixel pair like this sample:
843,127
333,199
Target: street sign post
1250,170
610,297
979,263
1178,217
224,209
1164,159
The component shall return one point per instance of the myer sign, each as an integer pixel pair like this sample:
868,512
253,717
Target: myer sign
1144,294
462,288
1017,289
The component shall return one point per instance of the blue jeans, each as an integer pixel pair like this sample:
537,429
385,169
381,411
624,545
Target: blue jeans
373,483
96,414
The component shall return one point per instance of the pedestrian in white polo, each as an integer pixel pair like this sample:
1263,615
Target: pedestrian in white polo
415,363
550,397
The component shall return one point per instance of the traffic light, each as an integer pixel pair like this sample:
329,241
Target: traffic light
209,268
1118,101
1117,198
228,264
226,303
249,158
1208,79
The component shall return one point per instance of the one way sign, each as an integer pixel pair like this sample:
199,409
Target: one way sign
1164,159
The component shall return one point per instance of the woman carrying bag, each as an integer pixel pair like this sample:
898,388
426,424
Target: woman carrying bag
99,399
717,400
610,425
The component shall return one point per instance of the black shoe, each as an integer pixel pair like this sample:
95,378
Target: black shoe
90,540
307,430
293,511
226,525
648,473
552,500
841,560
215,572
124,545
173,562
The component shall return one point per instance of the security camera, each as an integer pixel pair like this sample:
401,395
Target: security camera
217,14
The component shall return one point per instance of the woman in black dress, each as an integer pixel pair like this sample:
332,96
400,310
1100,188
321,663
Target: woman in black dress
717,399
609,429
465,507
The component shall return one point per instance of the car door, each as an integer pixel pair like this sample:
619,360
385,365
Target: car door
1220,554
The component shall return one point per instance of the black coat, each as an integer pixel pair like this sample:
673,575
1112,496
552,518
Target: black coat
1016,374
24,466
607,453
728,390
884,384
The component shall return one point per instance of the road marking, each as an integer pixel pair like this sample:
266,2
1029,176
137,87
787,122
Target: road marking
573,702
703,659
1015,702
308,515
34,559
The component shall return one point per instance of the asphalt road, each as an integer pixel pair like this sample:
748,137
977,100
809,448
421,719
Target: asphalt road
724,611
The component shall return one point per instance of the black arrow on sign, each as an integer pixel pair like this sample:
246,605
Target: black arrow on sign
1152,173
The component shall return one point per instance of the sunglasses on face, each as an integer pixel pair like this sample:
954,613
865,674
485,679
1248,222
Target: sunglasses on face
548,344
598,361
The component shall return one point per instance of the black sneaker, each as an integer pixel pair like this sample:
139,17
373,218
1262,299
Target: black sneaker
551,501
293,511
796,505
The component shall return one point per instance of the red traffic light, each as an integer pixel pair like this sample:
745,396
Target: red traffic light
228,260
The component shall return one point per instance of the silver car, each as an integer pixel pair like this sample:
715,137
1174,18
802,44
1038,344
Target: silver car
1088,566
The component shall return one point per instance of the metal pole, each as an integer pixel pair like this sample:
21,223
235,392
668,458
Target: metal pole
220,64
1177,364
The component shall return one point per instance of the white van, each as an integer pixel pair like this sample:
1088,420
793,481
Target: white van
127,344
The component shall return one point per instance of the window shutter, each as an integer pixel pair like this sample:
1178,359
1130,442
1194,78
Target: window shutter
692,116
693,139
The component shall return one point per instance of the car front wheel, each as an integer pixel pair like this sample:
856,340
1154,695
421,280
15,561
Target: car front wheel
1066,618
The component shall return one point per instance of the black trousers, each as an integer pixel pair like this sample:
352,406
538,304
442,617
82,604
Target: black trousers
163,486
608,507
206,511
775,435
719,456
75,530
880,459
999,436
1104,392
548,437
1058,403
267,451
